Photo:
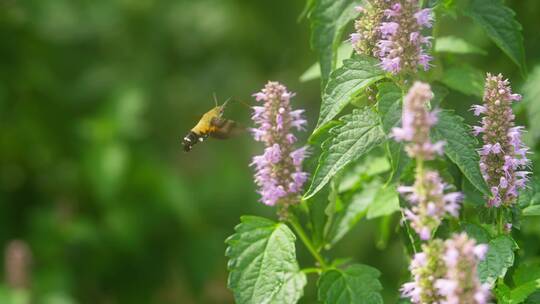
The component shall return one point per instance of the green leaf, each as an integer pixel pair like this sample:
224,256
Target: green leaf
317,204
291,290
439,94
456,45
526,272
531,98
399,160
389,98
320,135
262,263
335,205
369,166
359,133
499,258
355,75
526,279
530,196
376,165
351,211
472,195
533,298
313,72
317,216
385,203
464,79
532,211
357,284
460,147
477,232
498,22
389,105
502,293
306,11
522,292
329,19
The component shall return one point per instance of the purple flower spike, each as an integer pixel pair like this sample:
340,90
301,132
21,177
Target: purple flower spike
368,26
427,197
401,42
417,122
429,203
461,283
279,172
426,267
503,157
446,272
391,30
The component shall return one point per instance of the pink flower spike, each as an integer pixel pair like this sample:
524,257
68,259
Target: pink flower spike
503,153
461,283
278,171
392,31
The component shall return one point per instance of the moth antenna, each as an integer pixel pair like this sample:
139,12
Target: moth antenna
226,102
215,98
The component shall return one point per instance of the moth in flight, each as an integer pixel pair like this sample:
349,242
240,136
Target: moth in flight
211,124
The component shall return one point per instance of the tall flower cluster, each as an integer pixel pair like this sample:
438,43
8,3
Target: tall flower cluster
364,40
416,123
402,46
279,172
426,267
429,203
503,157
461,283
446,272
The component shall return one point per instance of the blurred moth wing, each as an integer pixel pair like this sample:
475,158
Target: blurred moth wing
225,128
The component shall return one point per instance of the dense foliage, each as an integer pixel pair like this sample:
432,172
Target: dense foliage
99,204
460,202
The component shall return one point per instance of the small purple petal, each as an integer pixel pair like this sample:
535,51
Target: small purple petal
424,17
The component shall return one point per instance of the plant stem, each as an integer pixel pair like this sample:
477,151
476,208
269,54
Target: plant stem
307,242
311,270
420,174
436,27
409,234
420,166
501,220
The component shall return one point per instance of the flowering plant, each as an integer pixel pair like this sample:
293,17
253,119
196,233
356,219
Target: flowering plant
391,146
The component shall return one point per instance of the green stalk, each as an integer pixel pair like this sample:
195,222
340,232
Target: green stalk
500,220
311,270
307,242
420,174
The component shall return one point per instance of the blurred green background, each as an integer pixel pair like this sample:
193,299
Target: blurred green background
98,202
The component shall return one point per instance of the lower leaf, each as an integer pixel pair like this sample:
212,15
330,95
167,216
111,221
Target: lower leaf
263,266
357,284
499,258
